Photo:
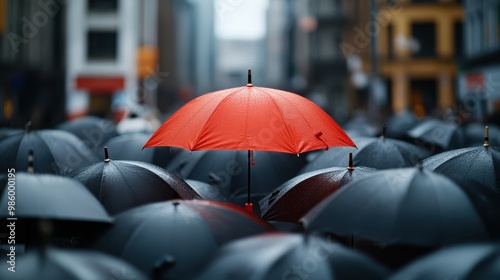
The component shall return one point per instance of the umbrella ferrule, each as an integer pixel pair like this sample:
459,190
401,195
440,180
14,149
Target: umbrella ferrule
486,137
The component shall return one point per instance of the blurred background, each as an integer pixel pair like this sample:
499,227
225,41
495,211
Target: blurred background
62,59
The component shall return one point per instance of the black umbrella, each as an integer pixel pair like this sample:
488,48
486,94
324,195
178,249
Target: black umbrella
290,256
294,198
29,198
465,262
62,264
120,185
399,124
474,134
375,152
55,151
6,132
46,196
129,147
205,190
93,131
359,126
174,238
227,170
438,135
408,206
475,167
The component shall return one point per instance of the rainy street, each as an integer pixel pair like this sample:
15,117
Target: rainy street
250,139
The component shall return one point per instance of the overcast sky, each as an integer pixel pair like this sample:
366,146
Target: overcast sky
240,19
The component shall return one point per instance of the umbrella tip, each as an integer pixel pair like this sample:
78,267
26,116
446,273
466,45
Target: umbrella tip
106,156
384,131
31,168
486,137
249,82
351,165
176,202
27,126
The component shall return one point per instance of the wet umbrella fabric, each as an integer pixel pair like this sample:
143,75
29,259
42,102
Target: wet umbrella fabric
93,131
120,185
290,256
465,262
250,118
46,196
373,152
226,170
129,147
56,152
294,198
407,206
206,191
398,125
474,167
62,264
174,238
446,135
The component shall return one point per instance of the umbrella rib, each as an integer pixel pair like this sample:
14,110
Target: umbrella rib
212,114
282,114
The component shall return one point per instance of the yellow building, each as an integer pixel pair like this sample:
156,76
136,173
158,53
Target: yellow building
418,43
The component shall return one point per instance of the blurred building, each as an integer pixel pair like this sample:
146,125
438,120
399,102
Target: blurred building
479,79
417,43
111,50
32,63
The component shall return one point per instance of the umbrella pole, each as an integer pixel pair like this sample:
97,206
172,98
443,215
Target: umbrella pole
249,205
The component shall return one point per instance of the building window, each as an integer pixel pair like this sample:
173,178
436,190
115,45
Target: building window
102,6
101,45
425,35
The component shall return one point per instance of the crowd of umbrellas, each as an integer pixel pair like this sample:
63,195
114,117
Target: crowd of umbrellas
300,198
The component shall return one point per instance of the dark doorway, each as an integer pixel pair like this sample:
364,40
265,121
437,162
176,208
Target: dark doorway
423,96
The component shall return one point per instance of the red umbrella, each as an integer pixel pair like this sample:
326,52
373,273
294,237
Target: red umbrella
250,118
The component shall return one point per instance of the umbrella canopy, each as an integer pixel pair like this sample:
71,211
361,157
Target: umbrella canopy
399,124
290,256
93,131
474,134
54,151
46,196
408,206
6,132
438,135
174,238
293,199
474,167
68,264
226,170
360,126
465,262
375,152
206,191
129,147
250,118
120,185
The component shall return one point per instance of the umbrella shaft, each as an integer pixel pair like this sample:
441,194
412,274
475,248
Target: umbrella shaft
248,186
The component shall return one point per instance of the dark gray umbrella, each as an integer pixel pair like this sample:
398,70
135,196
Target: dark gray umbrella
120,185
227,169
93,131
375,152
54,151
399,124
206,191
438,135
172,239
465,262
129,147
473,167
294,198
62,264
6,132
408,206
46,196
474,134
290,256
